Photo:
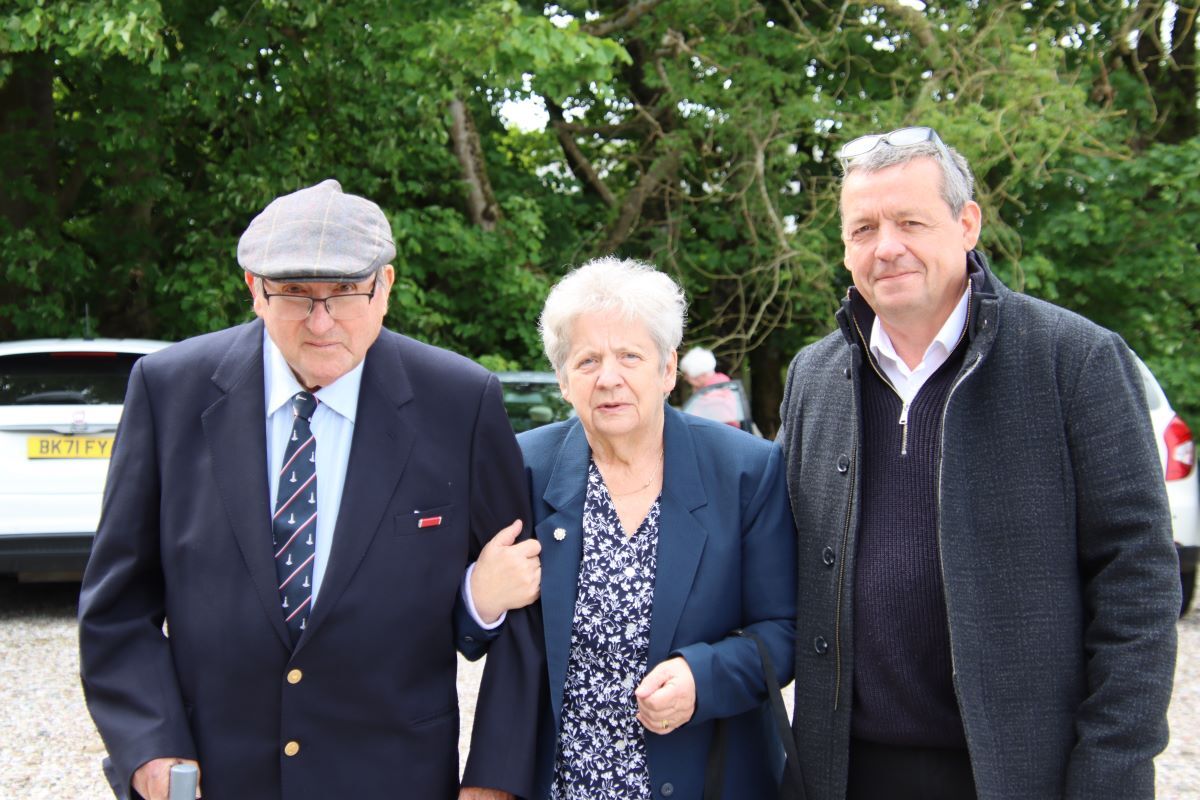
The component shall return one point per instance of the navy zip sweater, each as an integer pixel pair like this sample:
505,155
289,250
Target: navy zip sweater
903,688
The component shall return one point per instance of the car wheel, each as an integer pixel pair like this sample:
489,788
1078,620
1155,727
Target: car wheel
1188,579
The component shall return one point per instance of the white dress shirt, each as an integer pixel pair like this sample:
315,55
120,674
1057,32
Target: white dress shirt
908,382
332,425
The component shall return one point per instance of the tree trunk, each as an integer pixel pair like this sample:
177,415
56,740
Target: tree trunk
481,201
766,391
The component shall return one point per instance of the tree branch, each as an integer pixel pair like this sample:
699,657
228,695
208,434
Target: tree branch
631,208
580,166
631,14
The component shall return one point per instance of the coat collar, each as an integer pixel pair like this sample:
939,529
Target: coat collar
682,536
986,290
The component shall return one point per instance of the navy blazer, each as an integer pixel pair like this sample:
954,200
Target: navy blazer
369,691
726,560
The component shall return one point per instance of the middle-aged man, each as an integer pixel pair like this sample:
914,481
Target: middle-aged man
298,497
988,586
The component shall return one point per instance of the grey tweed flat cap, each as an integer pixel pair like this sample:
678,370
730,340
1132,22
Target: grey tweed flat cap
317,234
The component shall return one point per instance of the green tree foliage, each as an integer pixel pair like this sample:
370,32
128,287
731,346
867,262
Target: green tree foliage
161,139
139,137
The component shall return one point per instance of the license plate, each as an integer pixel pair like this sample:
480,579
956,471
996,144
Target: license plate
69,446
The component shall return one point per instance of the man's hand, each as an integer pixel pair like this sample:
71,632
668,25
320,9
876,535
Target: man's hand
666,696
507,575
476,793
152,779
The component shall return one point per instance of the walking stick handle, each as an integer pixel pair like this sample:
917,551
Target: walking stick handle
182,785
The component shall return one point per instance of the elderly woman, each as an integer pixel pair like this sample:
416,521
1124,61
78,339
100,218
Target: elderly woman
661,535
699,368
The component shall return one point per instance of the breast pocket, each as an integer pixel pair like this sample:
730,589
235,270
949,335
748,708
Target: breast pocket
429,549
424,521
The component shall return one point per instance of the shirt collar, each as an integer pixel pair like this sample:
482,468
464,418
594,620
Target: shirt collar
341,396
943,344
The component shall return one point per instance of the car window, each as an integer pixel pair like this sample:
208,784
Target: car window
532,404
65,378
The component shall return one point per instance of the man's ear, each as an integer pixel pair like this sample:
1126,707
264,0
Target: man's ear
256,297
971,220
388,274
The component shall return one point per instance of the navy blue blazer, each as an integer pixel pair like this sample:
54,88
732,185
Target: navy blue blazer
726,560
369,692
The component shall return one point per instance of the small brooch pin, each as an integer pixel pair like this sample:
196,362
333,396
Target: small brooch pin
559,534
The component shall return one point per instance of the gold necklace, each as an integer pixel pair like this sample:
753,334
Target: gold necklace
644,486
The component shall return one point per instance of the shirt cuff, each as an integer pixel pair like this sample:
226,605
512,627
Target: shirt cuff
470,603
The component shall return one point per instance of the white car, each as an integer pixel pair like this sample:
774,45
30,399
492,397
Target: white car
60,401
1177,452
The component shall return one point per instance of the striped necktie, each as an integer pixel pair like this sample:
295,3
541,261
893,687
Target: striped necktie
294,526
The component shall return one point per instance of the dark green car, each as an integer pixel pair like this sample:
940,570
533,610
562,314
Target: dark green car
532,399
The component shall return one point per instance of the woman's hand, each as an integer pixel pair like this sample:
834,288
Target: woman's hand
507,575
666,696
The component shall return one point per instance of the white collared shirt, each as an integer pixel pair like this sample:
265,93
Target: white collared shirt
332,425
909,381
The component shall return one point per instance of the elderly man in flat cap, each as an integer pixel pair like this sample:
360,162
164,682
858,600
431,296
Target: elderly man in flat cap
298,499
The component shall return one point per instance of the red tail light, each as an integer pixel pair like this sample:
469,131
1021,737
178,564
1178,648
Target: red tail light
1181,450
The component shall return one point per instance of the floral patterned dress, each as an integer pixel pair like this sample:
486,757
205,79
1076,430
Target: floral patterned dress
601,747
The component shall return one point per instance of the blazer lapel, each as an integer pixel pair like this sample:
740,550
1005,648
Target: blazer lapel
379,451
681,535
564,493
235,433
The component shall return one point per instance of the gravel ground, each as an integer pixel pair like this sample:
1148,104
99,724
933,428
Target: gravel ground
49,748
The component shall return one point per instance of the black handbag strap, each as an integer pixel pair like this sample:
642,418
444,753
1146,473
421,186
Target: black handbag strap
714,773
792,784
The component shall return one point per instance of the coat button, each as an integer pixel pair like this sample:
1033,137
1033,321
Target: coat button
667,789
291,748
846,372
468,638
294,676
820,645
828,557
843,463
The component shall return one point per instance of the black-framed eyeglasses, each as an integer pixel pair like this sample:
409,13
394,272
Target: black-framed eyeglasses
901,137
295,307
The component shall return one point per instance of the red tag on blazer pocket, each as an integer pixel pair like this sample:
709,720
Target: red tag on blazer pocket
429,522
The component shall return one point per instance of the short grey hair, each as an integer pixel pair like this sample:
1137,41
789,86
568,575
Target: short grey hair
698,361
958,184
634,290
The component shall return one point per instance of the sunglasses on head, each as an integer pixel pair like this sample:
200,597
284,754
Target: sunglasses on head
901,137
